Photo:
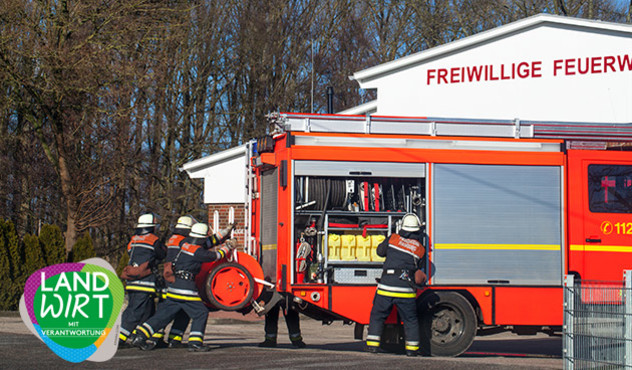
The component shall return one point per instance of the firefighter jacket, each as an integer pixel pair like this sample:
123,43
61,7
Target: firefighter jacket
187,264
173,244
173,247
145,249
404,254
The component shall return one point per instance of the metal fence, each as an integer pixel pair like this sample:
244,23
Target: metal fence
598,323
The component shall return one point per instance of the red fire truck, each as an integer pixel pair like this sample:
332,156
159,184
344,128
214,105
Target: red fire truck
509,208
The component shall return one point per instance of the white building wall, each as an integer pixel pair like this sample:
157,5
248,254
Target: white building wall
224,175
225,182
603,94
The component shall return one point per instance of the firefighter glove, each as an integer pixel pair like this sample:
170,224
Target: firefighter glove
231,243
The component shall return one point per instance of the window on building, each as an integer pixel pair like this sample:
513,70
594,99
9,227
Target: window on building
610,188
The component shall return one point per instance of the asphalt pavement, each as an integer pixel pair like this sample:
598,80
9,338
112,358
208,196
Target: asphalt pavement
235,337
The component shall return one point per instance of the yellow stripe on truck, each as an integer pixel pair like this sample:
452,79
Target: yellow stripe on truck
526,247
269,247
601,248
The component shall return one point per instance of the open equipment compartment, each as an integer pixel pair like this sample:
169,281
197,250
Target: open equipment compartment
343,210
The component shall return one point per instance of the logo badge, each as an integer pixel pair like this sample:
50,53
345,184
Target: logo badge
75,308
606,227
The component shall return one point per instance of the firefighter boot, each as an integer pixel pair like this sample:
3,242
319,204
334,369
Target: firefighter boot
411,353
298,343
139,341
198,347
268,343
156,343
174,343
372,347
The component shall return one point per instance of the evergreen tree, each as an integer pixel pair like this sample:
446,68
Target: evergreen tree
11,267
122,262
6,285
52,244
83,249
33,255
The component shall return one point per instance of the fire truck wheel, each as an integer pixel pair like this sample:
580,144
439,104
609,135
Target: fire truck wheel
229,286
447,323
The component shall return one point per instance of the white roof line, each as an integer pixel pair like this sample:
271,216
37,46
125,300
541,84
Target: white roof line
361,109
207,161
481,37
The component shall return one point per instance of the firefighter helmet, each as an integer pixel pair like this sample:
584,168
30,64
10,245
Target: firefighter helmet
185,222
147,220
199,230
411,222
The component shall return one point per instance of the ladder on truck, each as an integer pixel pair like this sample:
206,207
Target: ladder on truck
433,126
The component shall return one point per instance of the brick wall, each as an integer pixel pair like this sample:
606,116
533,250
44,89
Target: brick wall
223,211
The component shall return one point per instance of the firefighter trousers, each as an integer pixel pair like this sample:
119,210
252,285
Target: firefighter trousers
168,310
407,309
179,326
140,307
291,320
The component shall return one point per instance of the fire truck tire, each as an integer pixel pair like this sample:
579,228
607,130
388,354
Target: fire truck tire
447,324
229,286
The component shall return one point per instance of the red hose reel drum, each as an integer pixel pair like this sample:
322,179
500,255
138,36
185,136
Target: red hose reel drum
230,286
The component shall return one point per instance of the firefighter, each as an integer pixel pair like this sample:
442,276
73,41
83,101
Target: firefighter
181,321
272,326
404,252
180,232
182,294
145,252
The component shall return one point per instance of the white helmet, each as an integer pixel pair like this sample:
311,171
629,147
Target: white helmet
411,222
147,220
185,222
199,230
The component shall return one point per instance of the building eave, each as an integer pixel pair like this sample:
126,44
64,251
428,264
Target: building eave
539,20
202,163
